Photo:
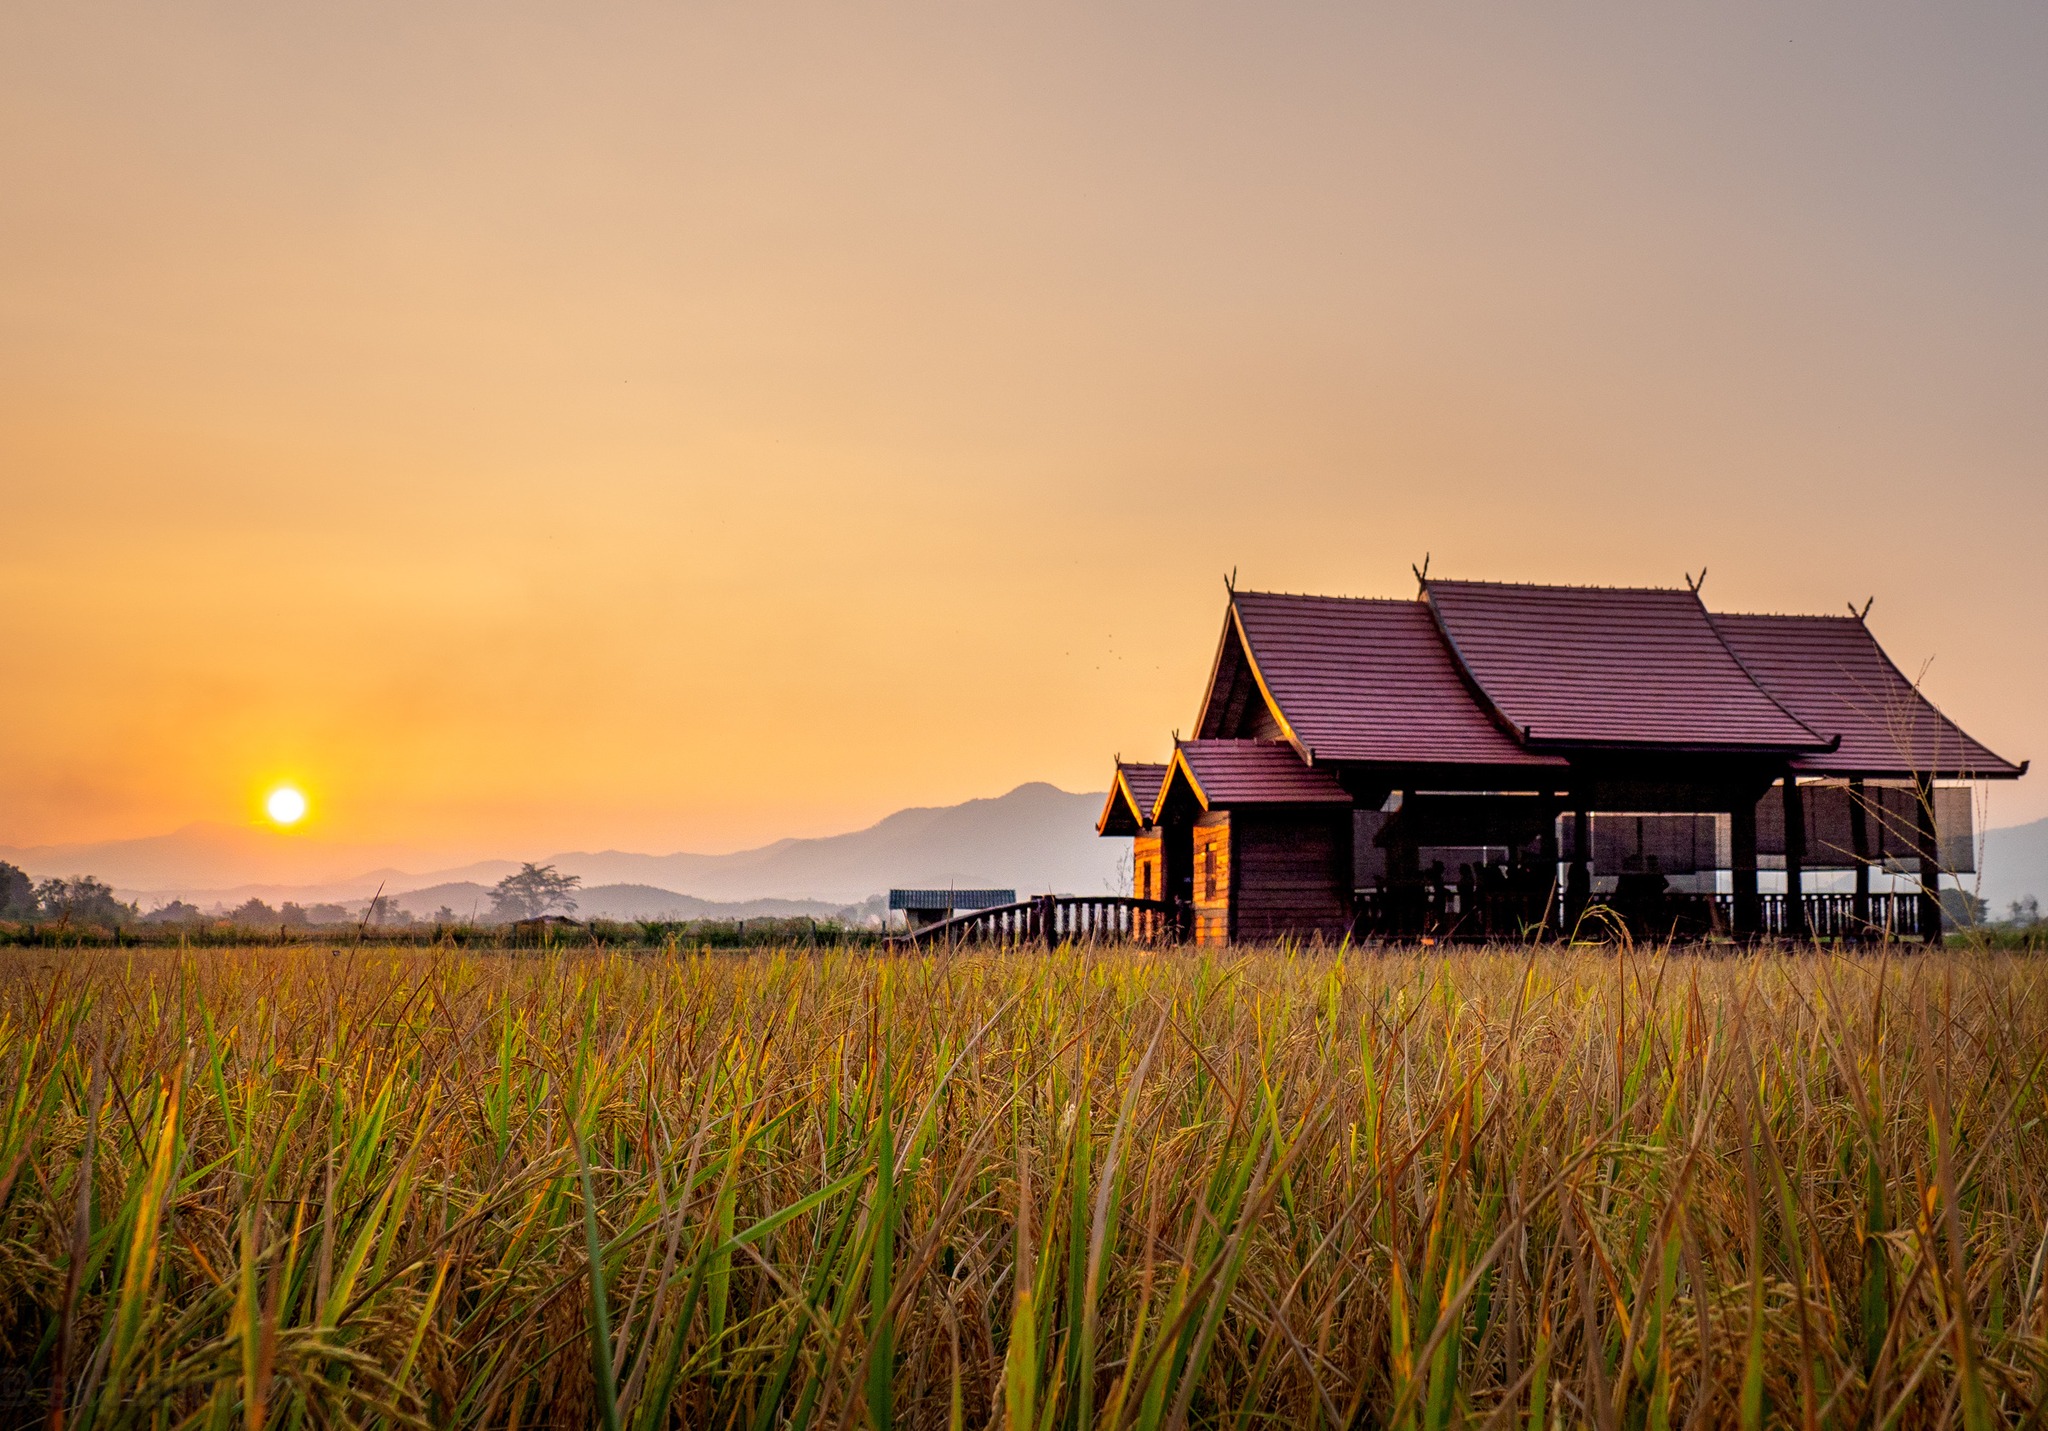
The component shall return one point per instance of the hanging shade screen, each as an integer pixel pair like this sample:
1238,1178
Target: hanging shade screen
1680,844
1891,816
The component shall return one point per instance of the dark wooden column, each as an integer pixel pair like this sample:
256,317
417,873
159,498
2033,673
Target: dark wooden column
1930,859
1795,859
1578,889
1859,839
1749,910
1546,851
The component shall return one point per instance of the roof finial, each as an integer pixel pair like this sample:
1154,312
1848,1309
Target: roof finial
1694,583
1860,615
1230,582
1421,573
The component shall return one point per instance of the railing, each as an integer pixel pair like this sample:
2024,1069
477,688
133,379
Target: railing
1418,911
1893,914
1051,919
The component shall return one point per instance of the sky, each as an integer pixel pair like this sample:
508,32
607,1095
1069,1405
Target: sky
678,426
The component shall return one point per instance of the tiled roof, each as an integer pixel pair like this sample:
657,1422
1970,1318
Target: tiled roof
954,899
1143,781
1250,772
1133,791
1370,680
1831,673
1609,666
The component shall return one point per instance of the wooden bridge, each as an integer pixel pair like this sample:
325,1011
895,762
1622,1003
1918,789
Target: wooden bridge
1052,919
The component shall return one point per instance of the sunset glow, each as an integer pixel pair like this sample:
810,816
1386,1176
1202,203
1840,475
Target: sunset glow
696,425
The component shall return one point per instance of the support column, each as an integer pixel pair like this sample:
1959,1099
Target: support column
1795,860
1859,840
1578,888
1546,853
1749,910
1930,859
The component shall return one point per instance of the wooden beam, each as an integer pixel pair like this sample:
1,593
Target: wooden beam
1859,839
1930,859
1553,912
1578,889
1749,909
1795,859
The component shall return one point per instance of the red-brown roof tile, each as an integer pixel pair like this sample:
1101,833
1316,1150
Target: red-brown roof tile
1227,773
1831,673
1604,666
1133,791
1365,679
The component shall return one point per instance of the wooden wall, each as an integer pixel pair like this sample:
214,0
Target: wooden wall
1148,856
1291,876
1215,872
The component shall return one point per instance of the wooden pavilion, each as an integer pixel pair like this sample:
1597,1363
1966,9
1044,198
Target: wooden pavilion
1491,760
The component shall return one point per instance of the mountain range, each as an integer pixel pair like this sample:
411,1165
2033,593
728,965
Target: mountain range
1037,838
1034,839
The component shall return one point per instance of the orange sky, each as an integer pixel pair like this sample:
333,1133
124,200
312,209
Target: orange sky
683,425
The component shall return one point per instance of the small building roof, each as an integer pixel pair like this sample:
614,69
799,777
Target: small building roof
957,900
1357,679
1601,666
1133,790
1831,673
1225,774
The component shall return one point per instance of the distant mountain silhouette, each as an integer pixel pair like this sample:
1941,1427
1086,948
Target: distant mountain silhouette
2015,865
468,899
212,856
1035,839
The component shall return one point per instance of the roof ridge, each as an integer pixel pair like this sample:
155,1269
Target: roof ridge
1790,616
1326,596
1562,586
1750,676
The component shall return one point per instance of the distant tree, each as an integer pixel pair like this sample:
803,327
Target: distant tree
2024,912
253,912
444,915
1962,910
292,915
82,900
17,893
536,890
383,909
176,912
326,914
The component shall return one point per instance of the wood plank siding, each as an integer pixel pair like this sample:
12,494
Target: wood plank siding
1292,872
1148,865
1214,877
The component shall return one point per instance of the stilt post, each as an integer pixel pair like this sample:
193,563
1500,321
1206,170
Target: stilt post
1930,859
1795,860
1749,909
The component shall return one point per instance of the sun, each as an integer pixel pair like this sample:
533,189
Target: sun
286,805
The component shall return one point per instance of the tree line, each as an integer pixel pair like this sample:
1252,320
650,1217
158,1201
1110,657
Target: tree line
532,892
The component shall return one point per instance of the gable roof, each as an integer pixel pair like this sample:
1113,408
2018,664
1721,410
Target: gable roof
1831,673
1133,790
1229,773
1613,667
1358,679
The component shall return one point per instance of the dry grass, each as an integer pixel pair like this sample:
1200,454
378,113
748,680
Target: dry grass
1082,1190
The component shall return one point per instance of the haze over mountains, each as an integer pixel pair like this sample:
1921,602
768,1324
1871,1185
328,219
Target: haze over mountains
1034,839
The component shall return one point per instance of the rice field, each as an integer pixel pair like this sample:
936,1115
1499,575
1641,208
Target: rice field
1085,1190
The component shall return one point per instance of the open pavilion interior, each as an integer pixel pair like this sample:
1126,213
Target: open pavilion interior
1495,761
